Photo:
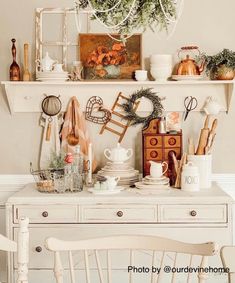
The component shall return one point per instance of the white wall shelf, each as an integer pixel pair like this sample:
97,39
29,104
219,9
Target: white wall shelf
27,96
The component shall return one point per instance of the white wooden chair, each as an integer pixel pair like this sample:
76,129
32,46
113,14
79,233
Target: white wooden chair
132,243
227,254
21,247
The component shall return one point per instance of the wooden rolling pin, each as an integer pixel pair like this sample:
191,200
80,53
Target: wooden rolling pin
203,137
26,74
179,171
191,146
211,137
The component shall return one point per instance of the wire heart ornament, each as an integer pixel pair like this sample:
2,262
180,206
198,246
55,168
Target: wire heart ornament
95,104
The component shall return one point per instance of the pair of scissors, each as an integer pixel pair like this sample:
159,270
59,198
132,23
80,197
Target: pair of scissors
190,103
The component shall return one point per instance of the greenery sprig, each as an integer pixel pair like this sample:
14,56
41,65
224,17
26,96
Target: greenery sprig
145,14
131,113
225,57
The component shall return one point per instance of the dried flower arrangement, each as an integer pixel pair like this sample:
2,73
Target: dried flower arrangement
104,56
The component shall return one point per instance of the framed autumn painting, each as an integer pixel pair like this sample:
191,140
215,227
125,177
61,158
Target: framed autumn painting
106,58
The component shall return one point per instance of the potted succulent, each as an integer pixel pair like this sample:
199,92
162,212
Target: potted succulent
220,66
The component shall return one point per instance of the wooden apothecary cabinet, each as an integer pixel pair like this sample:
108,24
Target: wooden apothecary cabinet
157,147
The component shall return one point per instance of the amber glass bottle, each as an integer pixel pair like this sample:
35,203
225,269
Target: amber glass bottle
14,68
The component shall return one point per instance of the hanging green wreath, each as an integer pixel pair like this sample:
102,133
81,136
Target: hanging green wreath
129,107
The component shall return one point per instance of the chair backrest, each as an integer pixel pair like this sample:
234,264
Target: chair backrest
131,243
227,254
21,247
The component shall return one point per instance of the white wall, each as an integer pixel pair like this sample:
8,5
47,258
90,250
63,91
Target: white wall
209,24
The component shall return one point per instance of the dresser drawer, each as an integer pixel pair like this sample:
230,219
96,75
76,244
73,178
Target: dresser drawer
172,141
153,154
47,213
153,141
117,213
193,213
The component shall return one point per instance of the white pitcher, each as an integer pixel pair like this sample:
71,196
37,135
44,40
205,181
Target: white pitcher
212,107
156,169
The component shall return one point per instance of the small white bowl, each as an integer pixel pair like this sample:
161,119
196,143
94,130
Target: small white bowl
161,74
160,59
141,75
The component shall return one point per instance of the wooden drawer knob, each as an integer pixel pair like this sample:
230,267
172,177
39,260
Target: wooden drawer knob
45,214
38,249
193,213
153,141
153,153
120,213
172,141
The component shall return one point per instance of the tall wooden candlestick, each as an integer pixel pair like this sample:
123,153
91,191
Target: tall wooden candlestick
14,68
89,174
26,74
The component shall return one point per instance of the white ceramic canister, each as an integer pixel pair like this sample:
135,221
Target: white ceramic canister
190,178
204,164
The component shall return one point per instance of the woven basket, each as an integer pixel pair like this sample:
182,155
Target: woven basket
44,179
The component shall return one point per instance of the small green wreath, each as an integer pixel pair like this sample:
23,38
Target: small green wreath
131,113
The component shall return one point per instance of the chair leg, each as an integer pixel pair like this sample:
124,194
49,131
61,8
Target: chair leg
58,269
202,276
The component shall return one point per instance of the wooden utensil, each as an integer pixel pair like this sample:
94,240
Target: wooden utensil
72,138
26,73
191,146
211,137
203,137
179,171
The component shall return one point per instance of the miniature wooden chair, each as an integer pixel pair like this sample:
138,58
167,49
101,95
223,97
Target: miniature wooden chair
132,243
21,247
227,254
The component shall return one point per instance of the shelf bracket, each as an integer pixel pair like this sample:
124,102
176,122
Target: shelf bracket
230,94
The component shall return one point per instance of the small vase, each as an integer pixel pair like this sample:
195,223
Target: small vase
113,71
224,73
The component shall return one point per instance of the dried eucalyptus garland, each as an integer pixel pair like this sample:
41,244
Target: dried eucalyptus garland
128,16
130,111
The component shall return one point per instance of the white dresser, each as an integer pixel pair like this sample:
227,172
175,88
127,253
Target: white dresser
191,217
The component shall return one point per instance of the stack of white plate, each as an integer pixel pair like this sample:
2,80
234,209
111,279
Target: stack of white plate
153,183
49,76
128,175
161,66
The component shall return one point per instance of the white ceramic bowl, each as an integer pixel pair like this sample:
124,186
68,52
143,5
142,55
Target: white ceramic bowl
161,73
161,59
141,75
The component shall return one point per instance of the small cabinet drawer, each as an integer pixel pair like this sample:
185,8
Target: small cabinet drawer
47,213
172,141
112,213
176,151
153,154
153,141
193,213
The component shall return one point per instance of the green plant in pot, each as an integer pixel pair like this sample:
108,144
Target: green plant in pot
56,163
220,66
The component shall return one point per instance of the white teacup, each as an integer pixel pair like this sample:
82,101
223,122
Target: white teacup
58,68
111,182
156,169
141,75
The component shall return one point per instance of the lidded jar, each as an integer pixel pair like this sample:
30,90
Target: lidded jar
190,178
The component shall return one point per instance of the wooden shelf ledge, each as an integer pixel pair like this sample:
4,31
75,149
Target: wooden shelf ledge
27,96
